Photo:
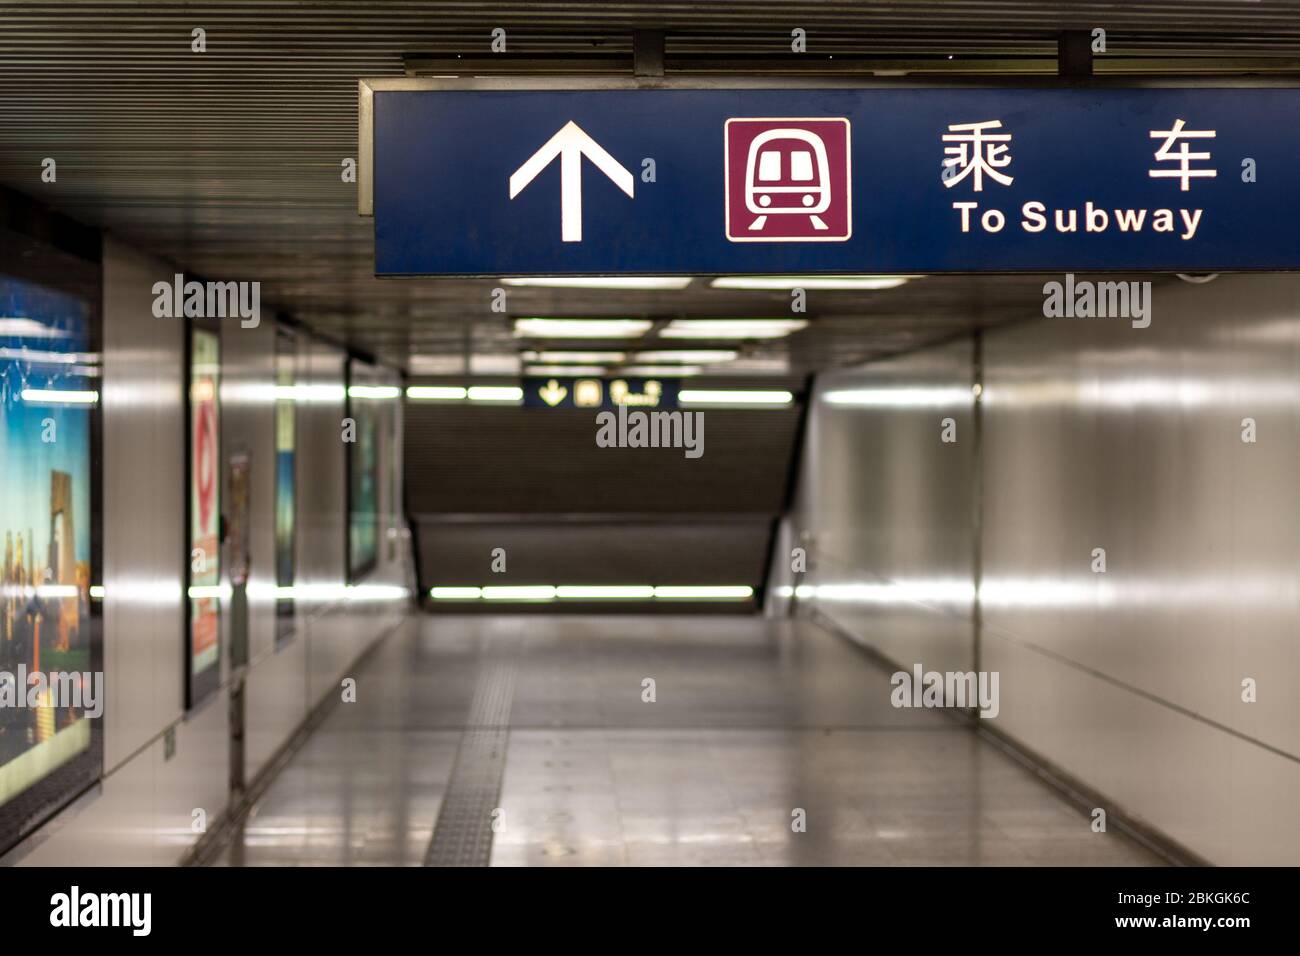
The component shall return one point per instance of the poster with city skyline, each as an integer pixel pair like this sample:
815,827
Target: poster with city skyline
48,387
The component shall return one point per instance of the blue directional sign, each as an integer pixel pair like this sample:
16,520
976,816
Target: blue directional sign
755,181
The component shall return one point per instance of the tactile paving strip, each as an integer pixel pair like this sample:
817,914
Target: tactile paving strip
463,833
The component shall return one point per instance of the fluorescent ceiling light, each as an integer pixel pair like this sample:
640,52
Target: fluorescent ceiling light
591,370
708,593
30,329
496,393
660,371
581,328
373,391
700,356
53,396
731,328
552,356
770,397
861,283
600,282
437,393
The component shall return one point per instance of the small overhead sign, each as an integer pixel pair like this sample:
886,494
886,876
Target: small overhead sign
663,181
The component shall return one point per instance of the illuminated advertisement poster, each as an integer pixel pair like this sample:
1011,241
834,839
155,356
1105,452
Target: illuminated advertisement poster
363,479
286,514
205,515
51,681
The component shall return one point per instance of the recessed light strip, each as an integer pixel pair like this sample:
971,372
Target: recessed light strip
489,394
821,283
594,592
731,328
645,283
746,398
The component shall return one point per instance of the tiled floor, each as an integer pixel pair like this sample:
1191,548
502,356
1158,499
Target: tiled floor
752,722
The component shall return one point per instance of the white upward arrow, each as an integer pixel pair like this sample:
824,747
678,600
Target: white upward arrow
571,143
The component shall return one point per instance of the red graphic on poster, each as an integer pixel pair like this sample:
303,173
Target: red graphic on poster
787,180
205,503
205,464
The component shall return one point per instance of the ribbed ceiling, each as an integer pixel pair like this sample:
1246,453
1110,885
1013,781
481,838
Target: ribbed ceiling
227,162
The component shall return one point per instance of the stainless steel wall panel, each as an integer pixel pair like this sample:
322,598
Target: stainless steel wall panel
888,504
1098,435
144,506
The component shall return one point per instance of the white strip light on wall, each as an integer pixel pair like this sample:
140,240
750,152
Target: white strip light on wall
648,283
740,592
55,396
603,592
437,393
595,592
747,398
900,397
309,394
455,594
374,391
200,591
532,592
496,393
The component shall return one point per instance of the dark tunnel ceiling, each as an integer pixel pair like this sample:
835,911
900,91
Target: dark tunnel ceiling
227,162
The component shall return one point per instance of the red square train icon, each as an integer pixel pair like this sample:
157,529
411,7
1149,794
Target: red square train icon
787,180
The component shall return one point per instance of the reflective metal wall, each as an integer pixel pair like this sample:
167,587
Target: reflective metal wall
885,504
1098,435
1094,435
144,810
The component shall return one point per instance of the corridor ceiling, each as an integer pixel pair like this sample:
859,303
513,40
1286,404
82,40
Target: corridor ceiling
227,162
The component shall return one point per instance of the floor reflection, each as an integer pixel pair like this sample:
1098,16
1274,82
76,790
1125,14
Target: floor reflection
767,743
